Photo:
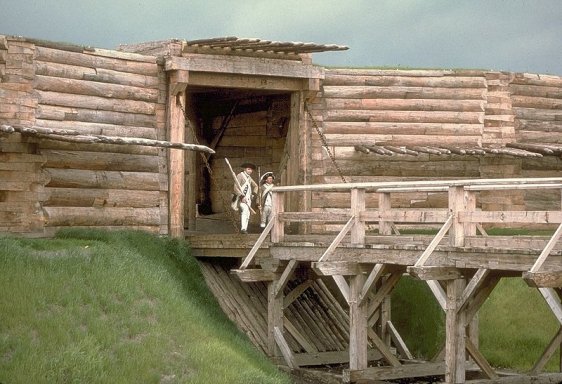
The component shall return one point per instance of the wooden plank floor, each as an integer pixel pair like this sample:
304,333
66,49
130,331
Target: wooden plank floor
509,253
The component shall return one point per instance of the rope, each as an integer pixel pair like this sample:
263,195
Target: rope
324,142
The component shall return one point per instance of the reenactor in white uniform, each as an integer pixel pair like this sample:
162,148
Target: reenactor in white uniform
266,182
245,189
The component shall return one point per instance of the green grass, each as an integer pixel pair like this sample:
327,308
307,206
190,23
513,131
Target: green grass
418,317
515,323
121,307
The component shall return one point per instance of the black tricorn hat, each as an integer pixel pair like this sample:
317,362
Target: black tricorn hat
266,175
248,165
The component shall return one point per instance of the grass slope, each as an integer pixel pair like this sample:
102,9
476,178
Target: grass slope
115,307
123,307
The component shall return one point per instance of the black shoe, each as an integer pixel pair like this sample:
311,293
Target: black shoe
243,232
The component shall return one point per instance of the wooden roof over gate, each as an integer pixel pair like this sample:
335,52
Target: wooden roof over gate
232,43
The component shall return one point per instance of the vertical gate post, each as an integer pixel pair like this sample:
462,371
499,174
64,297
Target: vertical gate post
176,131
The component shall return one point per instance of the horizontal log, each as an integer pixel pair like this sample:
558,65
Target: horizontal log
85,216
538,114
397,139
110,148
21,158
538,137
95,61
74,136
149,46
403,79
374,92
94,88
351,153
95,74
17,166
536,91
58,113
82,197
72,178
406,104
95,103
130,56
535,102
395,72
405,116
381,168
93,128
536,79
401,128
156,229
93,161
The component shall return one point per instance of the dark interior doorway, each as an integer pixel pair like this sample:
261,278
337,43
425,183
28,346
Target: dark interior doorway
240,125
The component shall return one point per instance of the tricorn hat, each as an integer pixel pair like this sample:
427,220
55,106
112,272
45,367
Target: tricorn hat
265,176
248,165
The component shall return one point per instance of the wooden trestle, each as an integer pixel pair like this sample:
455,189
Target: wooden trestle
461,265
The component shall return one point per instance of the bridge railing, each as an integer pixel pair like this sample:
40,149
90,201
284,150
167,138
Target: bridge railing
461,218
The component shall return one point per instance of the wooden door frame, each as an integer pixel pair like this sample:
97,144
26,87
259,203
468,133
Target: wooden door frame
280,75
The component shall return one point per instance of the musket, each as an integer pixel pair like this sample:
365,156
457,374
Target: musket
238,183
259,192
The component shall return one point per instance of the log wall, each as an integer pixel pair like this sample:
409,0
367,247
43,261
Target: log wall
92,91
21,178
435,108
537,106
48,184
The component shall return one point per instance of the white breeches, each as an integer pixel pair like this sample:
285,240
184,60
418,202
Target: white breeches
244,216
266,214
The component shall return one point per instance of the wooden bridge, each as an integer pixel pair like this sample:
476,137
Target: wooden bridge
361,251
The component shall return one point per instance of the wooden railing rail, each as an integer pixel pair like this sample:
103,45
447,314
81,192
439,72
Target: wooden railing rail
412,185
459,220
461,197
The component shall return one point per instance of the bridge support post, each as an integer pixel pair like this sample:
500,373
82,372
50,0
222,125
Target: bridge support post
274,317
357,324
455,355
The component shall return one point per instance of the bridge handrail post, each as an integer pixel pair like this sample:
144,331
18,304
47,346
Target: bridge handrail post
457,203
385,227
470,206
357,208
278,207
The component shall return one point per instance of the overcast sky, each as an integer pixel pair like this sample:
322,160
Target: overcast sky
511,35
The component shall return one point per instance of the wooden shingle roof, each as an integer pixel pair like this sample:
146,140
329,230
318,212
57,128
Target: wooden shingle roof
232,43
